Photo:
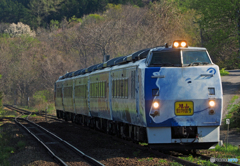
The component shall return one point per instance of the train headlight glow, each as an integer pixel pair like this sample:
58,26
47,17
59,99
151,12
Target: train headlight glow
183,44
179,43
155,104
212,103
176,44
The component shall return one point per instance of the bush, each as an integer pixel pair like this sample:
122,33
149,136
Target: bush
234,116
42,99
223,72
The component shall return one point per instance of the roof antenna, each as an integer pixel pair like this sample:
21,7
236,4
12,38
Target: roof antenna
166,45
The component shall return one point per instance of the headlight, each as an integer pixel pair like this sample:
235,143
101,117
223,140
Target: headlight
155,104
176,44
211,103
183,44
180,43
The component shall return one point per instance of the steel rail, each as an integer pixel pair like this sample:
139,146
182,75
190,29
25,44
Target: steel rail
59,159
83,155
182,161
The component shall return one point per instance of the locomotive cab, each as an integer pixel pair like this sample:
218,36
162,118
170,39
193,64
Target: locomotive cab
183,95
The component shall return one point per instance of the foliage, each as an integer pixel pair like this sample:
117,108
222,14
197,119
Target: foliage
230,152
40,12
30,65
21,144
75,19
41,96
41,100
1,97
219,22
223,72
5,149
54,25
43,8
233,114
198,161
19,29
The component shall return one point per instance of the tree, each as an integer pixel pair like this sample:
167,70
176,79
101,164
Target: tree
43,8
1,96
219,22
19,29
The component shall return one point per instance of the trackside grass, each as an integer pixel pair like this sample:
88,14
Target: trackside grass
223,72
233,114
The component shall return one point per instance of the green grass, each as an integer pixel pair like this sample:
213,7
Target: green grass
233,114
234,98
230,151
223,72
24,116
136,153
5,149
33,115
143,143
175,164
197,161
21,144
162,161
7,113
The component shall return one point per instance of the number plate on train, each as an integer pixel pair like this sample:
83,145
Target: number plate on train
183,108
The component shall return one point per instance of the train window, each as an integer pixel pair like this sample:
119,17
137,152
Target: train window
113,95
104,87
195,57
121,88
126,88
91,89
99,89
117,88
96,90
170,58
59,92
133,84
67,92
80,91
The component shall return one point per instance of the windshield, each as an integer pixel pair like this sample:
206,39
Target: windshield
170,58
195,58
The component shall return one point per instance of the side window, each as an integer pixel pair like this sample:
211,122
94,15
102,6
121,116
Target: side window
126,88
133,84
119,88
59,92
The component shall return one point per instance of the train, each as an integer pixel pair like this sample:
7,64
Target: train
168,96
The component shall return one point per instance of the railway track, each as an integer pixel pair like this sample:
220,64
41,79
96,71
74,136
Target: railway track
169,155
61,150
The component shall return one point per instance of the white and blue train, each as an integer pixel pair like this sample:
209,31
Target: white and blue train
169,97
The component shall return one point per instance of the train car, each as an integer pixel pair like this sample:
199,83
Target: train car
169,97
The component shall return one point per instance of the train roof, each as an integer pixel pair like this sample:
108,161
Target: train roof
141,54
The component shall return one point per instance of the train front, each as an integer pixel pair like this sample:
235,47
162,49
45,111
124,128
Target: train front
183,97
